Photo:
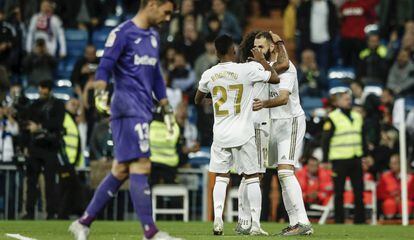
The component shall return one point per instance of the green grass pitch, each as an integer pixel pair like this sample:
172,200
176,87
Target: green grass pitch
105,230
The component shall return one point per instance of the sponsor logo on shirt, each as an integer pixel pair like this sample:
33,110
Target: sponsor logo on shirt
138,40
154,42
145,60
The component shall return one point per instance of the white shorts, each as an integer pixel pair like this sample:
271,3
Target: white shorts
244,159
262,135
286,141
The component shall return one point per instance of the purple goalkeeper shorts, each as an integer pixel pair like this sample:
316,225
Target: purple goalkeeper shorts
131,139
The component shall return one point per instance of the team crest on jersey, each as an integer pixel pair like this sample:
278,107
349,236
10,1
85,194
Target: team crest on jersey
111,38
154,42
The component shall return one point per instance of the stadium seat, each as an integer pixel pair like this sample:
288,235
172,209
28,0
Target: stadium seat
231,211
76,41
63,93
65,67
99,37
337,76
311,103
31,93
199,158
173,190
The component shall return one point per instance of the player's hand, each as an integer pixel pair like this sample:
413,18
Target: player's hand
258,104
257,55
101,101
275,38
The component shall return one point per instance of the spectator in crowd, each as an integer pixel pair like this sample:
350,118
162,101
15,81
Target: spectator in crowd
47,26
188,141
182,76
289,20
14,17
191,44
164,154
316,182
174,95
84,67
8,58
100,145
206,60
343,144
355,16
389,189
401,76
373,66
212,26
317,26
370,104
309,76
45,125
393,15
168,59
39,64
82,14
9,128
187,10
387,146
387,105
228,22
72,135
4,83
407,43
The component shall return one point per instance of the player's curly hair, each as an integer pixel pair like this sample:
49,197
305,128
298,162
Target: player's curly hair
246,46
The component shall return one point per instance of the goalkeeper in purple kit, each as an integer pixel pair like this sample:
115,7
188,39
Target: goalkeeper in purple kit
132,55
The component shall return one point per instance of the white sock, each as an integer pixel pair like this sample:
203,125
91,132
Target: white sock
290,184
219,196
244,206
293,218
254,194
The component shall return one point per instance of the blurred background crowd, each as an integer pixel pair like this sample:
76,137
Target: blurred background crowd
49,52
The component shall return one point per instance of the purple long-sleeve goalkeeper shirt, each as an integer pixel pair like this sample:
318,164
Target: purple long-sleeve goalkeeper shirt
132,55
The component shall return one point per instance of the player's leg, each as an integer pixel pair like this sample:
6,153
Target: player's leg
140,193
250,164
244,215
103,194
289,147
220,164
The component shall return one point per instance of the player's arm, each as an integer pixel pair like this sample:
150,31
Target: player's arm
280,100
259,57
202,90
114,46
282,63
199,97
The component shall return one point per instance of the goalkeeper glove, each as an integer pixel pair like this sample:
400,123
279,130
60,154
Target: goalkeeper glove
169,120
101,101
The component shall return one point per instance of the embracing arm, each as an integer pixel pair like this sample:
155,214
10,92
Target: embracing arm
282,63
280,100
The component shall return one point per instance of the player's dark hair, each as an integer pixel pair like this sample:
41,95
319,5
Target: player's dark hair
223,43
246,46
264,34
144,3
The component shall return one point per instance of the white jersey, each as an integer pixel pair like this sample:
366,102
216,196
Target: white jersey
261,91
288,81
231,88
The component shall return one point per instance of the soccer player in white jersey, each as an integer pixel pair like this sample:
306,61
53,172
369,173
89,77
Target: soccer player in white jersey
288,126
260,118
231,87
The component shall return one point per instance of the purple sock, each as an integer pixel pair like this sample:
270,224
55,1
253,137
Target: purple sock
141,199
105,191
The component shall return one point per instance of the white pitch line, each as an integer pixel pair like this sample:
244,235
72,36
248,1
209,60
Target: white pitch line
18,236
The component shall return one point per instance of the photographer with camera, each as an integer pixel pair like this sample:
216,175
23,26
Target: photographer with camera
45,124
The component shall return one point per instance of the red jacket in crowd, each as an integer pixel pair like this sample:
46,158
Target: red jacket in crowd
316,189
389,192
356,15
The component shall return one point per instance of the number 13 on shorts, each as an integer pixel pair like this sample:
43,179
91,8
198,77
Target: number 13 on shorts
142,129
